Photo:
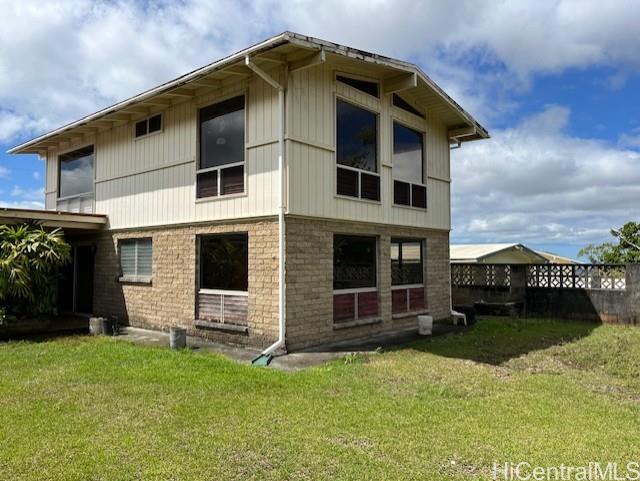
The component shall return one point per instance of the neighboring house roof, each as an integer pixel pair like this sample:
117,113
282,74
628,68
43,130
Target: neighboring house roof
498,253
557,259
295,50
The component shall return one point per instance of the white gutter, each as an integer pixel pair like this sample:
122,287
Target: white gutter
281,208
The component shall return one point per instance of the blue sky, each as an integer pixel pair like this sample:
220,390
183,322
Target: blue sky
556,83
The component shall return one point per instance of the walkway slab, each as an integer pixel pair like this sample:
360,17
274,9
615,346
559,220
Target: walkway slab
286,362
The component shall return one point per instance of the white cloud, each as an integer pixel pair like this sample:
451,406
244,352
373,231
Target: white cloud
30,195
61,60
83,55
536,183
36,175
631,139
4,172
23,204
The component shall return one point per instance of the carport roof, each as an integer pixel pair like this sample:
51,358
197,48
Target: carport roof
53,218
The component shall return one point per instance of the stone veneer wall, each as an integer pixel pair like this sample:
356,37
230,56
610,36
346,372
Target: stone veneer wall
171,297
310,280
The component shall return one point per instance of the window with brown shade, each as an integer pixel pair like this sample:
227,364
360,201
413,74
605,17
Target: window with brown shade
407,276
222,149
355,294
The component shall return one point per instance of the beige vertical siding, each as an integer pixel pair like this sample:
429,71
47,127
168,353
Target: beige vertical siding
151,180
311,155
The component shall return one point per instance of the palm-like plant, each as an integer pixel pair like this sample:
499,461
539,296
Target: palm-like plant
30,259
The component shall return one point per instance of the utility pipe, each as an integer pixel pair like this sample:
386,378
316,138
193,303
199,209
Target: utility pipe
266,355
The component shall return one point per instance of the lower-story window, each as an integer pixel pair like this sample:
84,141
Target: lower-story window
355,292
224,278
407,276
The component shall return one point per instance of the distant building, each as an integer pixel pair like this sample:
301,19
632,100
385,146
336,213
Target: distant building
503,254
557,259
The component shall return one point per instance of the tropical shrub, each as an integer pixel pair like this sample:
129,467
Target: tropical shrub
30,262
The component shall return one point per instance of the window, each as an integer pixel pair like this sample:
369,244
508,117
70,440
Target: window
408,167
76,172
407,278
222,146
224,262
406,262
136,258
404,105
357,152
149,126
354,262
354,278
365,86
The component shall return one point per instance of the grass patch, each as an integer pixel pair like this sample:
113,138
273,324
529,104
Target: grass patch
446,408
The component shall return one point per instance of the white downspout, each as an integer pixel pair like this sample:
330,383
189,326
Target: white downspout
455,315
281,207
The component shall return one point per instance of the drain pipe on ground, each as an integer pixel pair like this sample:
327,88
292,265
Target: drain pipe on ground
267,355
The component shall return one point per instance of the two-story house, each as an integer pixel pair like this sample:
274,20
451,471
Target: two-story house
293,194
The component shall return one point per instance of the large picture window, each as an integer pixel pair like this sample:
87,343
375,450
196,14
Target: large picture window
408,167
222,149
354,262
76,172
222,300
357,152
224,262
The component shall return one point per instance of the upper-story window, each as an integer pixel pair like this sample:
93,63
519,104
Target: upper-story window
222,149
408,167
76,172
357,152
365,86
149,126
406,106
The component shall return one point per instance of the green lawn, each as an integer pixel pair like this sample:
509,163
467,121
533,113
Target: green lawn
546,392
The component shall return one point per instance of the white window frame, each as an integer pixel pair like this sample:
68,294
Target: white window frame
135,277
377,173
146,119
218,168
423,133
